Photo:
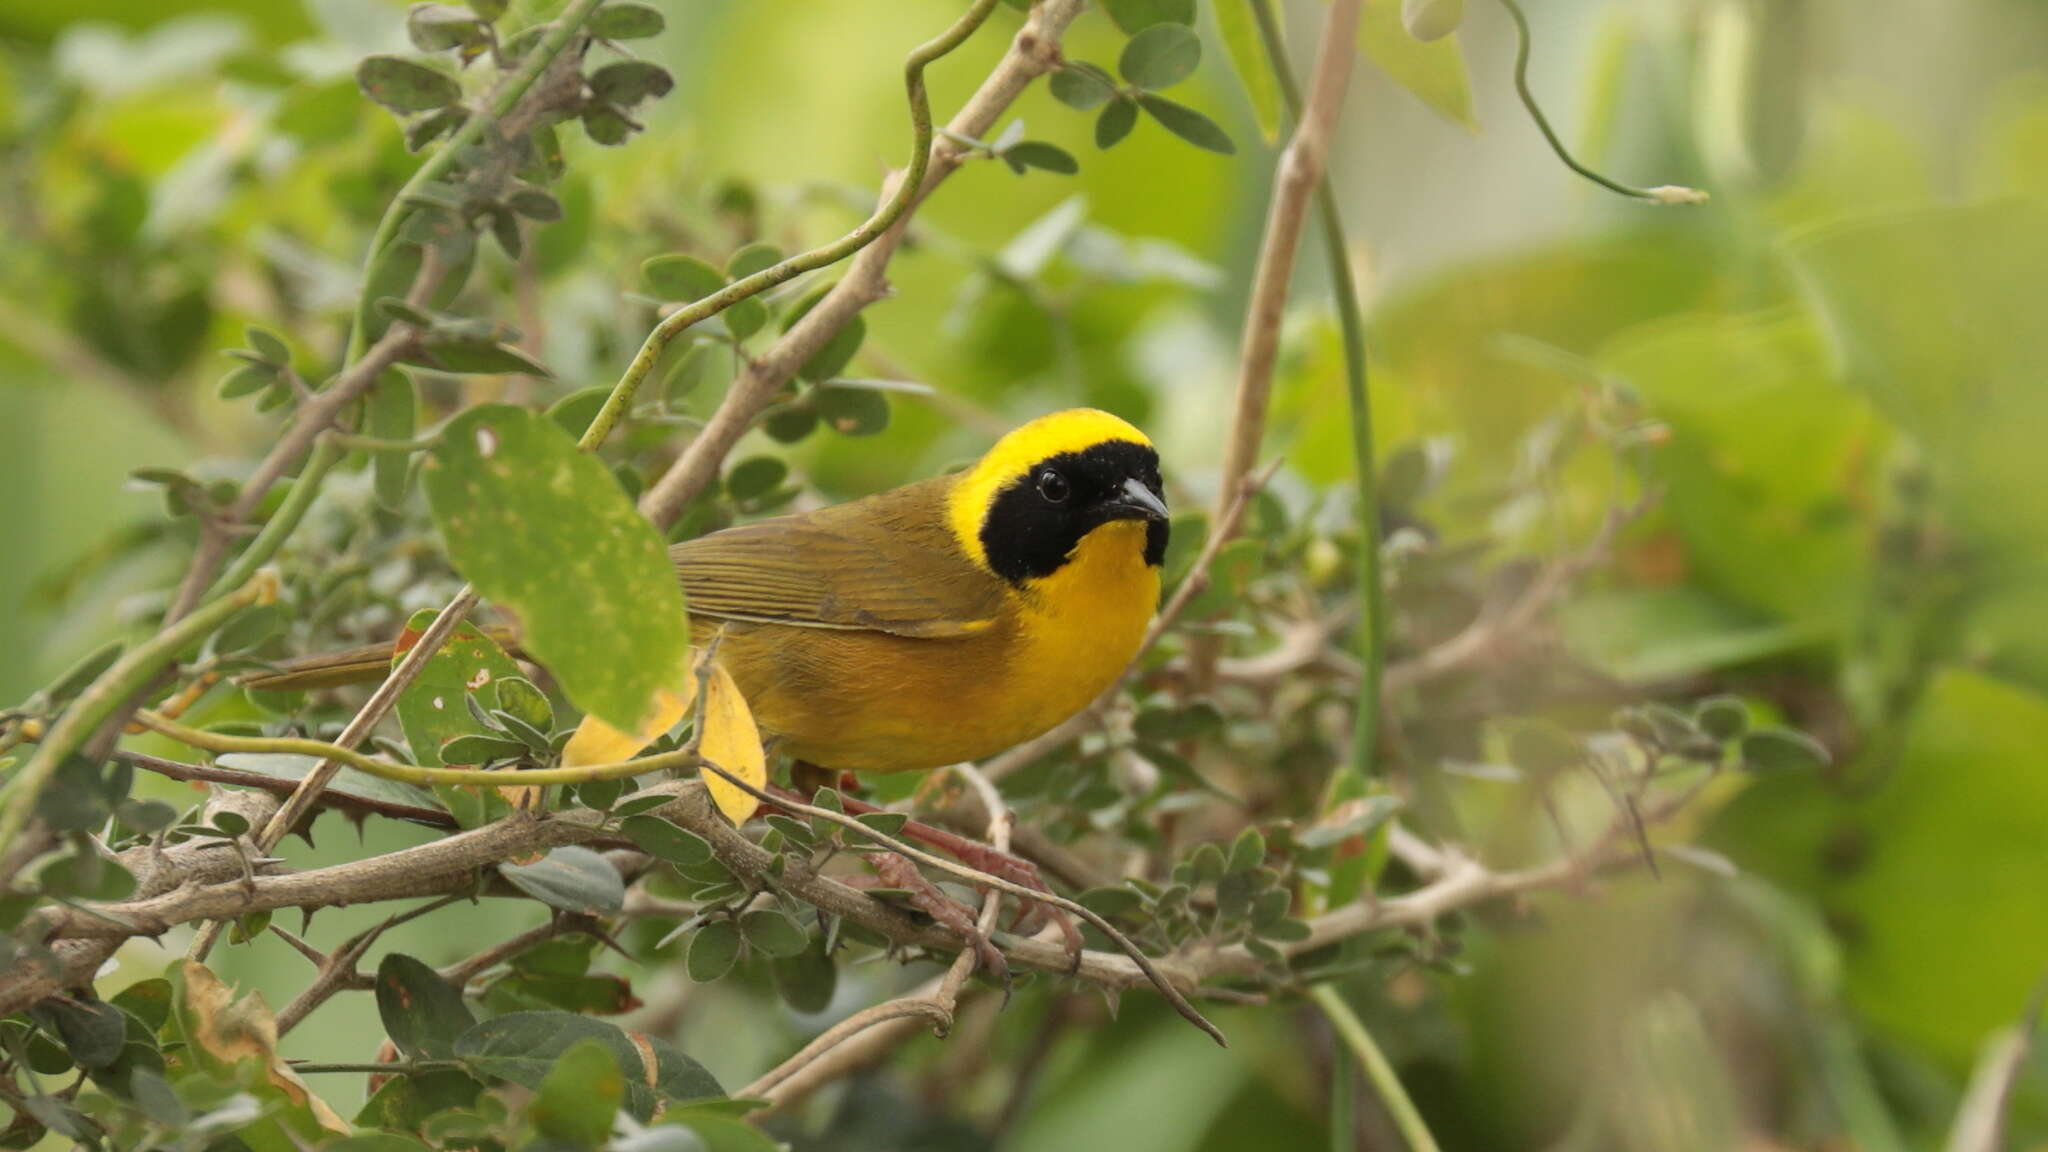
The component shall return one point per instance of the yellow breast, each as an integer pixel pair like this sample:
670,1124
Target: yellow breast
1080,626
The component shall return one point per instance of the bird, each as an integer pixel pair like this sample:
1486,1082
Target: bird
939,622
948,619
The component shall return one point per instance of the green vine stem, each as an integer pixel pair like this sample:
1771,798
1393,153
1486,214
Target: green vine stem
124,678
415,774
1352,1031
1662,194
870,230
1351,326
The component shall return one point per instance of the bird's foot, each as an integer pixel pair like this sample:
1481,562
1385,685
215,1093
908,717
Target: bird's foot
1031,914
899,871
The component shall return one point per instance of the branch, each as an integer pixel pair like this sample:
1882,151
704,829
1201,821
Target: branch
279,786
1034,52
1299,173
934,1001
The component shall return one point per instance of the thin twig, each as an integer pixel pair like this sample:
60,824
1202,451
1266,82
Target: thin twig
910,852
1034,52
1294,182
277,785
935,1002
1371,630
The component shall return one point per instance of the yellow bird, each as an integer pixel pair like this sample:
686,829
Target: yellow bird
938,622
948,619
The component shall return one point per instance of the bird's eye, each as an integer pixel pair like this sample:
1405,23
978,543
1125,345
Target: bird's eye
1053,486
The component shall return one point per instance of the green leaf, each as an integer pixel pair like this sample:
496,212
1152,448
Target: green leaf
624,21
661,838
1082,85
267,345
1722,717
1433,73
774,932
887,823
440,27
852,411
434,125
745,317
1115,122
1783,750
250,629
1432,19
475,750
523,1046
1240,34
808,979
406,85
422,1013
680,277
713,950
751,259
754,477
535,204
92,1031
1161,56
473,355
579,1097
1247,852
1916,302
1188,124
83,672
1134,16
433,709
628,82
605,125
571,878
1039,154
347,782
518,696
832,359
391,412
605,613
244,380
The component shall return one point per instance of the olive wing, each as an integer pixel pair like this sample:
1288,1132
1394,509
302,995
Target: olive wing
886,563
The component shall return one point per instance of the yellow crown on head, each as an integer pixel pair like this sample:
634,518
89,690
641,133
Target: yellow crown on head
1074,430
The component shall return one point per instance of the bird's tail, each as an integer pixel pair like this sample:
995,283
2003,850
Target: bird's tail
364,664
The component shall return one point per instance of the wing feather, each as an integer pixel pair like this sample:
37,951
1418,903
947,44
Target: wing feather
887,563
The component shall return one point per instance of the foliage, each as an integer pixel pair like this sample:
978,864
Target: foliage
1707,808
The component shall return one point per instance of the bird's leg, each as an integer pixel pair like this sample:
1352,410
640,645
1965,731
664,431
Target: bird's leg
978,856
898,871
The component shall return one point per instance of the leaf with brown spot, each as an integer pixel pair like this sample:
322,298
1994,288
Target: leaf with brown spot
421,1012
222,1033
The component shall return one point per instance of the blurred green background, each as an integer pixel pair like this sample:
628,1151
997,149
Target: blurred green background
1846,352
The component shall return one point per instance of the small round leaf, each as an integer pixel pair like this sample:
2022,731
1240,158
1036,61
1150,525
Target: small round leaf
1161,56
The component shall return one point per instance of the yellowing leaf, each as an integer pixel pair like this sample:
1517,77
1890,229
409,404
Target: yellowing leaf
226,1032
597,742
1433,72
731,741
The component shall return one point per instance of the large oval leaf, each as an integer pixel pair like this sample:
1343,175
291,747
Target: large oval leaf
544,530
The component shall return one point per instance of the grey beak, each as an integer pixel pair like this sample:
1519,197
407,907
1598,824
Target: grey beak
1136,495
